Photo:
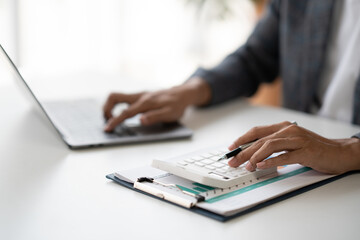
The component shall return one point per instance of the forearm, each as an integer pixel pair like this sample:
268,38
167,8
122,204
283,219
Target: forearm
257,61
195,91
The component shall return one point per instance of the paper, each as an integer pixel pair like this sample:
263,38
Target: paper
232,200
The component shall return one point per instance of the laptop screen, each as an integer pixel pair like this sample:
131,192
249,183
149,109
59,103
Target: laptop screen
8,66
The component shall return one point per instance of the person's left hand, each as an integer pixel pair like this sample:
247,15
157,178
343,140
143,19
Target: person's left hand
333,156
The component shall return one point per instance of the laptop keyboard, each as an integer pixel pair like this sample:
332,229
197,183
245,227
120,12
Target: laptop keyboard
82,123
83,119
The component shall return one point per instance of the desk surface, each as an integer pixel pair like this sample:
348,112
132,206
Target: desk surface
51,192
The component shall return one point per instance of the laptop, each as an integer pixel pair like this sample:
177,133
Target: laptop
80,123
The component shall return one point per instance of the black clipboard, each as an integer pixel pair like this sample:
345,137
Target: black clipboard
222,218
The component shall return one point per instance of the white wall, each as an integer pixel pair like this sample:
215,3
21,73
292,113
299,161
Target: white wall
157,41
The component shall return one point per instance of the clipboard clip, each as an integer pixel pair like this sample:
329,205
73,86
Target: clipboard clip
185,202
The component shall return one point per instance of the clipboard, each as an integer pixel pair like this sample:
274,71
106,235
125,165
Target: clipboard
222,218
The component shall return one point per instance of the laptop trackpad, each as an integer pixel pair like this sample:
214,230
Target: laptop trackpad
139,130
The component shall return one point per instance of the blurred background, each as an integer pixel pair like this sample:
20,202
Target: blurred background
155,44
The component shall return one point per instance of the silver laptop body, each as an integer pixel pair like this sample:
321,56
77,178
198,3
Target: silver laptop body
80,123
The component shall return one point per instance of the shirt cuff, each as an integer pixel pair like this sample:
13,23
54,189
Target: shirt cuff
356,135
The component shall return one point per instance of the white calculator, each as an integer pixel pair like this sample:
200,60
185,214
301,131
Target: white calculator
203,167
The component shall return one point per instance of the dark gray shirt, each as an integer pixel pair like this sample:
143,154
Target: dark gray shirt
289,41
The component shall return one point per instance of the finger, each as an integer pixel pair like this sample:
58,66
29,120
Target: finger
245,155
283,159
272,146
286,132
157,116
257,133
135,108
115,98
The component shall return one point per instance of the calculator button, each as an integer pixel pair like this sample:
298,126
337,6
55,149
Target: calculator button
197,158
199,164
206,155
227,169
224,161
216,153
214,174
189,160
215,158
210,167
207,161
217,164
182,163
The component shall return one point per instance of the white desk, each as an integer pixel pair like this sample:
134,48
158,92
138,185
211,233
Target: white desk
50,192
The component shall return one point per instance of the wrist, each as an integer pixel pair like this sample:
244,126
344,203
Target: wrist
351,154
196,91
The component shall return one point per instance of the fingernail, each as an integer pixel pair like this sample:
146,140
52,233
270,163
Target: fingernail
232,162
249,166
260,165
107,127
144,120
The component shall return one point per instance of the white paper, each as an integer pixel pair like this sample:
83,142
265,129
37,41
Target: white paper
230,205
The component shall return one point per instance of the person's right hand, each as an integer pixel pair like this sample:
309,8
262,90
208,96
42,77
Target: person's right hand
160,106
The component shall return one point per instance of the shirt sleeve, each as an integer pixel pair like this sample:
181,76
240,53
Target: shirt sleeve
241,72
356,135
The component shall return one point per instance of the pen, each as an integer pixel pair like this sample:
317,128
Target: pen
236,151
241,148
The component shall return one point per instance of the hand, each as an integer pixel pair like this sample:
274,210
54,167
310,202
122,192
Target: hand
333,156
160,106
